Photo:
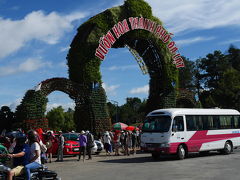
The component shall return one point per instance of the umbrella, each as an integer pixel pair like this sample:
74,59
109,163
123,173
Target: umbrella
119,126
130,128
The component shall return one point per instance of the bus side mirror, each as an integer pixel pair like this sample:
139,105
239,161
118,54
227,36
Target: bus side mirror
174,128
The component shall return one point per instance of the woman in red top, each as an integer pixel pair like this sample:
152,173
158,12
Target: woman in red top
49,143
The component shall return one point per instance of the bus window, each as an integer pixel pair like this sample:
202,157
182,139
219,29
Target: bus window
157,124
232,122
216,122
237,118
194,123
178,122
191,123
225,122
206,120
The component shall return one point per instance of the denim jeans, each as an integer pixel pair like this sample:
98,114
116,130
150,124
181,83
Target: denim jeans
28,167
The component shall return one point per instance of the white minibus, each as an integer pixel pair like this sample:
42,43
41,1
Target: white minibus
181,131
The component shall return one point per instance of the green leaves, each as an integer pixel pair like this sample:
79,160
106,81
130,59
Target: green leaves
60,120
219,79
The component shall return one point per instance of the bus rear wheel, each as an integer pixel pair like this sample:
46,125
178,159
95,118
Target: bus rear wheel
227,148
181,153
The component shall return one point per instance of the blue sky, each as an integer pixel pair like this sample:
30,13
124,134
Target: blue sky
35,37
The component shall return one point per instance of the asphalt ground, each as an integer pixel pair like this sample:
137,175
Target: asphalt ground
142,167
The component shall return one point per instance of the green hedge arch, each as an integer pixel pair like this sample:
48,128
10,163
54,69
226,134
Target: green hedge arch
84,85
84,66
31,112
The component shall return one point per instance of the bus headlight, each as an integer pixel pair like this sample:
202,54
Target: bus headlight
164,145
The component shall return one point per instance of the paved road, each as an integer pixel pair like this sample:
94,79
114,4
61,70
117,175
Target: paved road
143,167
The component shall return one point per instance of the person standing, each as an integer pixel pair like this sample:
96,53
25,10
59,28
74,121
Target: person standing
116,140
49,145
107,143
60,147
134,141
90,144
83,144
127,142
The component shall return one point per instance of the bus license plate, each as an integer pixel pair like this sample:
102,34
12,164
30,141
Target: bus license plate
151,149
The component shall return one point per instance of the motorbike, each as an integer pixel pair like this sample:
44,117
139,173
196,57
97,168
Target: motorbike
41,173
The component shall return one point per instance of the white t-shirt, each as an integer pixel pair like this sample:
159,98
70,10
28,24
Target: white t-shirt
34,147
107,139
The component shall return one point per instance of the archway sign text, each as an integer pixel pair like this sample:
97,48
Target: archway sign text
122,27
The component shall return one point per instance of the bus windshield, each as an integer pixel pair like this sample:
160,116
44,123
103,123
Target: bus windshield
157,124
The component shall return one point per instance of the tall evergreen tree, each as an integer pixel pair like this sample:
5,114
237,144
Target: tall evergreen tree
187,74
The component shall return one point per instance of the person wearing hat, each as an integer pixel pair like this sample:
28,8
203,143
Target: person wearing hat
107,143
83,145
90,144
60,147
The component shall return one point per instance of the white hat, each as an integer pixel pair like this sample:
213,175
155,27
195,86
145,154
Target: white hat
82,132
87,132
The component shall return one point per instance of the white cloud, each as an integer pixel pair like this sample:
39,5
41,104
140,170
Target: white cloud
14,104
27,66
193,40
64,106
231,41
63,64
122,68
198,14
110,90
64,49
37,25
140,90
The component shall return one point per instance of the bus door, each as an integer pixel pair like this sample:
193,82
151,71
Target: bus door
178,133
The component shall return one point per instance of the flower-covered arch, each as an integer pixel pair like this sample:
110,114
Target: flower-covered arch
115,28
131,25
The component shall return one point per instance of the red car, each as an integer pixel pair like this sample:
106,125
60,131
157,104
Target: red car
71,145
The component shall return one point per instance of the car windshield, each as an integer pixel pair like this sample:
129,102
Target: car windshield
73,137
157,124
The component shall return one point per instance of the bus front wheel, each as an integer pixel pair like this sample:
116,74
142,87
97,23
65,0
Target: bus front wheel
181,153
227,148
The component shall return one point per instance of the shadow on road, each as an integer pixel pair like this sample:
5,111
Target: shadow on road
137,159
148,158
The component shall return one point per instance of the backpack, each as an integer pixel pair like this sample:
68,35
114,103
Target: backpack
90,140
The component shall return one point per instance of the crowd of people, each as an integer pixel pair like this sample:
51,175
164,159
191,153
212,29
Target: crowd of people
121,142
25,152
31,150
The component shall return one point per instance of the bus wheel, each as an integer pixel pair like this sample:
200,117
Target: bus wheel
227,148
181,153
155,155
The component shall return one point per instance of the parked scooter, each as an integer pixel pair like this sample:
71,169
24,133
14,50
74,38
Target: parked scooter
41,173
